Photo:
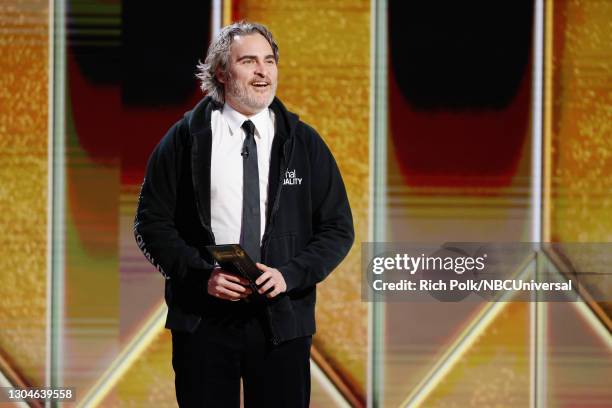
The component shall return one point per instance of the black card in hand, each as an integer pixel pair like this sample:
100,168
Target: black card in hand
234,259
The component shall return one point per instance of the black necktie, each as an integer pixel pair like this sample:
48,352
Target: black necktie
251,219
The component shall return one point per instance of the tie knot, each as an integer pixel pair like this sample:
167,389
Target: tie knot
249,128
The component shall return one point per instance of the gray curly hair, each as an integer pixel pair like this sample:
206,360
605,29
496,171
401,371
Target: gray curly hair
219,52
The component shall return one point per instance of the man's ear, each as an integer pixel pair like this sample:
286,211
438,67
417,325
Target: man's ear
220,75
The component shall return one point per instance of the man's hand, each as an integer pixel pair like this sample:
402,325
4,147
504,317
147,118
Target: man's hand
225,285
273,280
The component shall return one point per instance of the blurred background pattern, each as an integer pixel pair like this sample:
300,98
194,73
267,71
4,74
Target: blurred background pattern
450,122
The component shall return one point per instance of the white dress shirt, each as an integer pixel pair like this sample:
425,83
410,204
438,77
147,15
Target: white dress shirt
226,169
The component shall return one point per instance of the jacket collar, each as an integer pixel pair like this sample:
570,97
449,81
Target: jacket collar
235,119
199,117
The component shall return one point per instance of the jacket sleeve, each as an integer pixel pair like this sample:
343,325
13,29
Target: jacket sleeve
332,223
154,226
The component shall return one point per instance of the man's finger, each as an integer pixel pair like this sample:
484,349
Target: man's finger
223,296
234,287
274,293
269,284
234,278
228,298
264,277
229,293
220,295
219,272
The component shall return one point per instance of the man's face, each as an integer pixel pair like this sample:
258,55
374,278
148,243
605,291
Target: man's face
252,74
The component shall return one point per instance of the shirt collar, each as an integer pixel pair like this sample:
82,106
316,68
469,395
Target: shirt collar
235,120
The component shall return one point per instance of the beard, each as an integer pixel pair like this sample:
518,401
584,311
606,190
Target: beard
248,97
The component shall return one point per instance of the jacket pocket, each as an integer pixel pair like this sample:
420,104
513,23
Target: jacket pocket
281,249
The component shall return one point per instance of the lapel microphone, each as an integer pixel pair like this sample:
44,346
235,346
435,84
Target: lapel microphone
245,152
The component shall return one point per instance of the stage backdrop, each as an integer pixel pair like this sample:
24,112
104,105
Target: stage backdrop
433,112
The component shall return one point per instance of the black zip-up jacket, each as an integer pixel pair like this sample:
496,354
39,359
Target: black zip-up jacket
308,232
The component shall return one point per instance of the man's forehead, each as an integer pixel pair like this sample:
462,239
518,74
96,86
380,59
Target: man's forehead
240,41
240,37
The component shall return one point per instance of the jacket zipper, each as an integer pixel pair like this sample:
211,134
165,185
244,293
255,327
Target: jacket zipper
275,340
196,189
276,201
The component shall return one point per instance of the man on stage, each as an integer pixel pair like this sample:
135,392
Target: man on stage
240,168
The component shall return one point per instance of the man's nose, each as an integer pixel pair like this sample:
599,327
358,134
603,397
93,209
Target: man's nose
260,68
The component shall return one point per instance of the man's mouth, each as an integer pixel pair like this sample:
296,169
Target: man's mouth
260,84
